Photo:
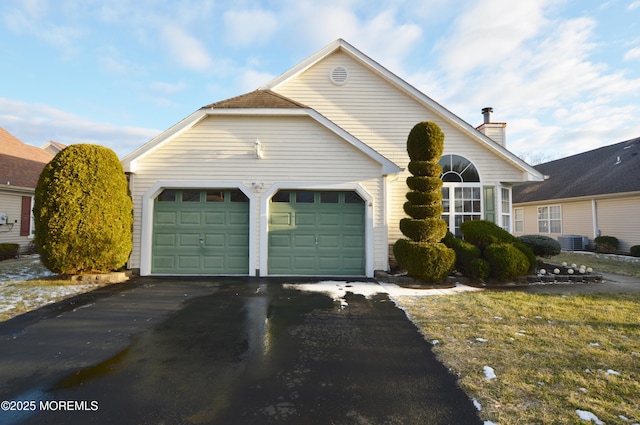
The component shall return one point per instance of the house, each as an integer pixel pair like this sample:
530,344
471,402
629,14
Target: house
305,175
594,193
20,167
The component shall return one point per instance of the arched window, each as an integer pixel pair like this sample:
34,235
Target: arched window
461,192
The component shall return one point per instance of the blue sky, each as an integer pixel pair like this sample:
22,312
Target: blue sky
563,74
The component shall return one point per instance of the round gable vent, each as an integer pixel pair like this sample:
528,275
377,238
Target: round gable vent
339,75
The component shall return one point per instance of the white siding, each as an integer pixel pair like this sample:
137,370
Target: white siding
11,203
620,218
296,150
381,115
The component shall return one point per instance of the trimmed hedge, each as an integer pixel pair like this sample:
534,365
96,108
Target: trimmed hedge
423,211
606,244
542,246
83,211
635,250
425,142
483,233
8,250
506,261
424,229
426,184
429,262
425,168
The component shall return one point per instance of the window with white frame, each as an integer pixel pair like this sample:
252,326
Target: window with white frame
550,219
518,220
506,209
461,192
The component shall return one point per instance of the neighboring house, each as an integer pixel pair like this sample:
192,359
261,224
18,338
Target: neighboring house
20,167
305,176
595,193
53,147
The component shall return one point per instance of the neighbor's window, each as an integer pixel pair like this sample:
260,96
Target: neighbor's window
550,219
518,220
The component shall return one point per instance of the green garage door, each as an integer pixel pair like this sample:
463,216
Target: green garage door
201,232
317,233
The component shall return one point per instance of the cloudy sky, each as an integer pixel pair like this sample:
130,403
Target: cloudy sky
563,74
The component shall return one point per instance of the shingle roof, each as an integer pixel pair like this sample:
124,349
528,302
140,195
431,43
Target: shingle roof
20,164
257,99
610,169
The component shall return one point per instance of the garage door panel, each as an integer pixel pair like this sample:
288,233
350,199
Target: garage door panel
188,217
329,241
280,240
352,241
214,218
305,219
304,241
281,219
189,262
312,237
165,240
214,241
329,219
353,219
200,237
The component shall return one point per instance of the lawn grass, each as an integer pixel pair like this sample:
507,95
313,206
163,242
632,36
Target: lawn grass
17,297
627,266
552,354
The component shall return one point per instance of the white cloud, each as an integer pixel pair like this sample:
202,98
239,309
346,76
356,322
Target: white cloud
634,5
251,80
37,124
168,88
249,27
186,49
633,54
490,32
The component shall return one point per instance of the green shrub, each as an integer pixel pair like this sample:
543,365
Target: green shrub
606,244
542,246
428,262
423,211
8,250
424,256
483,233
425,168
478,270
83,212
528,252
635,250
423,230
506,261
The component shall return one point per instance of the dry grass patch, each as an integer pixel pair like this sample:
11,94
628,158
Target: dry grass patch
23,296
552,354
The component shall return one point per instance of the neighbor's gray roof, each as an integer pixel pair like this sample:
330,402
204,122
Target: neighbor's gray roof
607,170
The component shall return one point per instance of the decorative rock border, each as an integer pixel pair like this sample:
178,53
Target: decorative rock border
113,277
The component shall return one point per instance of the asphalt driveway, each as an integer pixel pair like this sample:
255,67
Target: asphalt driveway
222,351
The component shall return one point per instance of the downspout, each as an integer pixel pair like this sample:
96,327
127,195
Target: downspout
594,216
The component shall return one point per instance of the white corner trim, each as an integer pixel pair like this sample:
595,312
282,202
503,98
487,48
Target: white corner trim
146,232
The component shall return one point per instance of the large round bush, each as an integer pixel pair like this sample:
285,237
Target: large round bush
506,261
483,233
428,262
83,212
542,246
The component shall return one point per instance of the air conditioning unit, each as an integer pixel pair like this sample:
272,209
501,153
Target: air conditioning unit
573,242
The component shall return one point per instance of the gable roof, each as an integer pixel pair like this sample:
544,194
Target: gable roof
256,103
530,173
603,171
257,99
20,164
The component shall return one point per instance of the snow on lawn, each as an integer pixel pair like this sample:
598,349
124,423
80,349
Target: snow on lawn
18,295
338,289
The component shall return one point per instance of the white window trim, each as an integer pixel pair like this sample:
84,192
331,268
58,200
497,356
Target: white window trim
505,213
548,220
516,220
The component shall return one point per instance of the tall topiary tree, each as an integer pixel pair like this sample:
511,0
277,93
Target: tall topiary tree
423,255
83,212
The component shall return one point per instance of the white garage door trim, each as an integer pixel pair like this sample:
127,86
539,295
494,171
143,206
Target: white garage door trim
146,231
264,217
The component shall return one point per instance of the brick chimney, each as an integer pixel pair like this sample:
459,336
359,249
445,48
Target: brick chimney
493,130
